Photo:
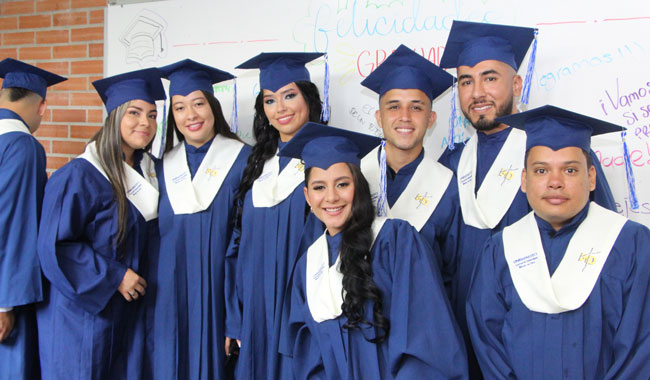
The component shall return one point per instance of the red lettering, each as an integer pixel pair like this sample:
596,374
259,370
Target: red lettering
372,67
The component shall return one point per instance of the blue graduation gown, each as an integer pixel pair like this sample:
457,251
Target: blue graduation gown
22,180
87,330
606,338
424,341
260,261
473,239
442,229
186,306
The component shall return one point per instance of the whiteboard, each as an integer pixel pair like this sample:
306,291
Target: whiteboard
593,57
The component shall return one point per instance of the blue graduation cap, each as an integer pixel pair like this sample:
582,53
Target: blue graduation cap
187,76
322,146
280,69
471,42
558,128
22,75
142,84
405,69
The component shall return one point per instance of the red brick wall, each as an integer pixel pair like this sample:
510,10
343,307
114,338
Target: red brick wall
67,38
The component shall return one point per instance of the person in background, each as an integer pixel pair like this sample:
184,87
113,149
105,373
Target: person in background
98,221
198,180
418,189
271,217
563,292
486,58
367,300
22,181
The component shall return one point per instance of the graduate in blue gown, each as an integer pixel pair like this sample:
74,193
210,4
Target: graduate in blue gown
198,180
98,221
487,57
367,300
417,188
272,215
562,293
22,180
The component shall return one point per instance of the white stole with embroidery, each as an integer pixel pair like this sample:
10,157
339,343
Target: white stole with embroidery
422,194
273,186
187,195
577,273
12,125
140,191
324,284
500,186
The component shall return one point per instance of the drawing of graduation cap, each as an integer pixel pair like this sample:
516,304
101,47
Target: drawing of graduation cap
144,38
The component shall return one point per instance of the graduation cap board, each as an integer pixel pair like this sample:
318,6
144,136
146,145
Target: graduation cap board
405,69
187,76
322,146
22,75
142,84
558,128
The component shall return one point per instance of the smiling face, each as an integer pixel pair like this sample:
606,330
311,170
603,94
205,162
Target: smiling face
286,110
138,126
193,117
330,194
404,116
557,183
486,91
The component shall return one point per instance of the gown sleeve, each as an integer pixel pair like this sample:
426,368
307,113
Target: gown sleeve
631,345
486,311
22,178
307,359
70,233
424,339
233,306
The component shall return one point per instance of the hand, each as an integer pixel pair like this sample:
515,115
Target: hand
7,320
228,341
132,286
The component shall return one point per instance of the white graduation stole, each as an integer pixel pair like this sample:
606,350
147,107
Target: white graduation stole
140,191
187,195
422,194
324,284
502,182
271,187
12,125
576,276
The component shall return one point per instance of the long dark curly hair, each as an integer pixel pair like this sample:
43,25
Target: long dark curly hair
356,260
266,138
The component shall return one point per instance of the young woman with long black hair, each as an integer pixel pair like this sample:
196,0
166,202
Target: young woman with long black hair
367,300
98,220
271,215
199,178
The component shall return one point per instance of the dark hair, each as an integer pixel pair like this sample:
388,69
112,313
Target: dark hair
590,161
18,93
221,126
356,259
266,138
109,150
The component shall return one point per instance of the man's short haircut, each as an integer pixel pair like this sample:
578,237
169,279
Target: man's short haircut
16,93
590,161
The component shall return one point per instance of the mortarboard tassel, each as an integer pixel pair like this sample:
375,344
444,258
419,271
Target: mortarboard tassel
234,119
452,118
629,174
525,95
163,135
382,207
325,113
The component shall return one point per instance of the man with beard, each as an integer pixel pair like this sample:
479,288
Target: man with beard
413,186
487,58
